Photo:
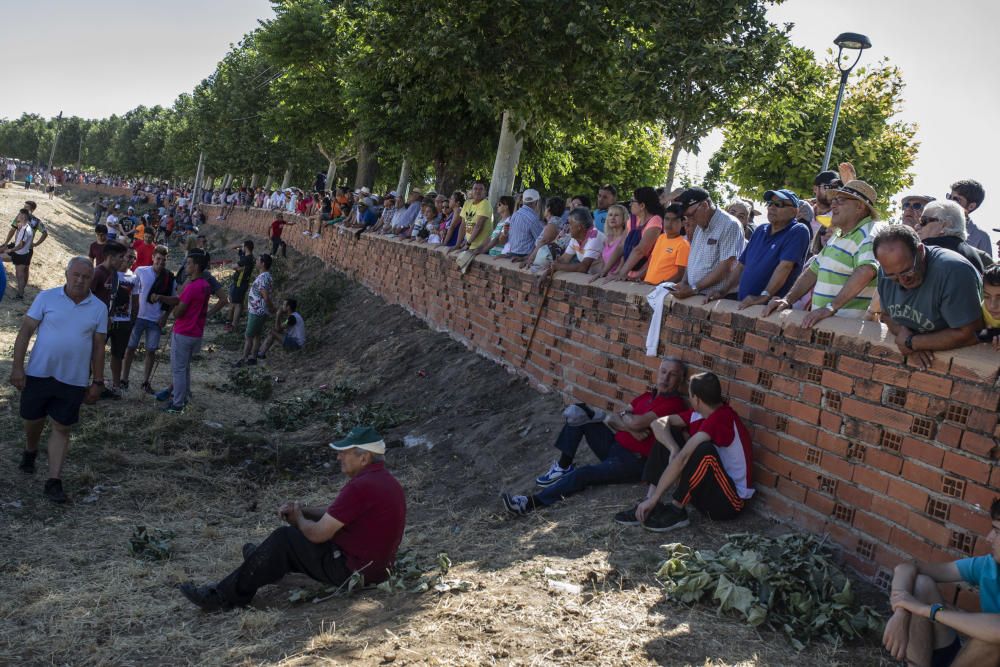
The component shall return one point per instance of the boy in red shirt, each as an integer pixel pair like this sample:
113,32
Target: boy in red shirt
144,250
712,470
276,227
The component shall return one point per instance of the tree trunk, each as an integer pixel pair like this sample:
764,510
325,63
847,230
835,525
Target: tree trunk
331,173
286,181
253,180
447,174
367,165
227,181
404,178
268,181
674,155
508,153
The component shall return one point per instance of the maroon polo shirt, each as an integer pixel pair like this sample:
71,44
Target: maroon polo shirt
660,404
372,508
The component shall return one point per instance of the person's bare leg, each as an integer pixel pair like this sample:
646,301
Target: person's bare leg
22,279
273,338
58,447
237,310
255,346
925,636
147,370
33,433
247,347
977,653
127,367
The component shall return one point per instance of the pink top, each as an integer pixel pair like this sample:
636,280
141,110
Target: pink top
192,323
609,248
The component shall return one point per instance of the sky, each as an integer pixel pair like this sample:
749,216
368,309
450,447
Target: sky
100,57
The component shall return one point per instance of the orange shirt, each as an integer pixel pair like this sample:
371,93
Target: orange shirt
668,255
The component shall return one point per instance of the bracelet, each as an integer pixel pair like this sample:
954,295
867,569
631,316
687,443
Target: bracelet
935,608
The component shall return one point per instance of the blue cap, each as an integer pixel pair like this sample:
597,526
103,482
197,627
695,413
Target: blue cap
784,195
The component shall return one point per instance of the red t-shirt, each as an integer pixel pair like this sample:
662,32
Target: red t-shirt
192,322
731,439
276,228
102,283
96,252
143,254
662,405
372,508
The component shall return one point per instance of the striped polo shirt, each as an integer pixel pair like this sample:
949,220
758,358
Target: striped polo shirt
835,264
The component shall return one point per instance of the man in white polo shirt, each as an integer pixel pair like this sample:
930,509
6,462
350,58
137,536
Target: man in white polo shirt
71,324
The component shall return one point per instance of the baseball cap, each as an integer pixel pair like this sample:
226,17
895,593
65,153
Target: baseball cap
530,196
361,437
690,197
782,194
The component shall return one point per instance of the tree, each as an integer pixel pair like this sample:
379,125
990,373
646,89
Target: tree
694,63
779,141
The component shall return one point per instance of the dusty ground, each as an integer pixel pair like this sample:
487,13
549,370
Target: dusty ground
71,593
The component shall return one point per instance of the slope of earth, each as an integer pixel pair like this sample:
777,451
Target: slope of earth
462,430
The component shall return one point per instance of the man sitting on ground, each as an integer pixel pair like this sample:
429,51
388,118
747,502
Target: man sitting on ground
931,297
359,532
289,328
712,470
923,631
621,441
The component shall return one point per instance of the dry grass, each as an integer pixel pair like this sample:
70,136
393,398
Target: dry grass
70,592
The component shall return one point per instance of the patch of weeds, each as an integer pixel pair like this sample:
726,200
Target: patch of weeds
318,301
150,545
231,340
249,381
291,414
380,416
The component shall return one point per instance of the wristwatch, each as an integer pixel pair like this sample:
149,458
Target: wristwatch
829,306
766,293
909,341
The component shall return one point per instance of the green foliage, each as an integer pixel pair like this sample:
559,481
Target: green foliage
150,545
293,413
249,381
788,584
780,139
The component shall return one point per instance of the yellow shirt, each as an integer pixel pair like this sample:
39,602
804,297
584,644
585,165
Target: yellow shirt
471,211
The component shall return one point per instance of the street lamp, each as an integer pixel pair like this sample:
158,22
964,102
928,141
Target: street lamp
850,41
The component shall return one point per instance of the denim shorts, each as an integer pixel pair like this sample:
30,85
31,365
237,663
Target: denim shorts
152,334
290,343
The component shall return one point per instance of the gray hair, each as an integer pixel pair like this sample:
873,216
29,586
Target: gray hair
79,259
583,216
680,364
949,213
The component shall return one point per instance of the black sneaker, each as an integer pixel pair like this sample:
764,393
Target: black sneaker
248,549
54,491
627,517
665,518
124,385
250,362
204,597
28,462
110,393
519,505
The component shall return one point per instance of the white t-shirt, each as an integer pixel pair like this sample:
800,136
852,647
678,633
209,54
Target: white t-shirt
126,283
592,245
65,338
145,277
112,224
297,331
26,235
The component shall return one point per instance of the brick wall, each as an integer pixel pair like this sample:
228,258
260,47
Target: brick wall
888,459
103,189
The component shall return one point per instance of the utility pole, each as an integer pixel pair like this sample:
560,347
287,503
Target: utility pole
79,155
197,180
55,141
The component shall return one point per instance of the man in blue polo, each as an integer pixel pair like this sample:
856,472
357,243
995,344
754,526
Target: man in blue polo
774,256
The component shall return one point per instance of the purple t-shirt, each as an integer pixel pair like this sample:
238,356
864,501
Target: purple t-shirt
192,323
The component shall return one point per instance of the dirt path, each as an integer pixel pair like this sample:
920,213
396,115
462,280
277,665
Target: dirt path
71,593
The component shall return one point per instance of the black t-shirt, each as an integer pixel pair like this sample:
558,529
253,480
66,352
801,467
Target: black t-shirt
244,270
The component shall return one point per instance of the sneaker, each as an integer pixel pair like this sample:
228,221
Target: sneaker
261,356
315,236
124,385
110,393
554,474
250,362
205,598
248,549
305,234
172,409
163,394
28,462
627,517
665,518
519,505
54,491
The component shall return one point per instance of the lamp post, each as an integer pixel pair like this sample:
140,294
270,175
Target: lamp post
849,41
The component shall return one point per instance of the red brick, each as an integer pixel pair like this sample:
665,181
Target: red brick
819,502
929,529
977,444
980,496
949,434
855,367
830,421
929,478
932,384
791,490
912,546
838,382
872,525
804,476
966,466
893,512
982,420
975,521
883,460
876,414
838,467
908,494
832,443
894,375
812,394
876,480
918,449
803,432
854,496
976,394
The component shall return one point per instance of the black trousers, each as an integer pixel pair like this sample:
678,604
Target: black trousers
285,550
703,482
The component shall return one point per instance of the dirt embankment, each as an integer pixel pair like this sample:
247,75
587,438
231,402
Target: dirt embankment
70,592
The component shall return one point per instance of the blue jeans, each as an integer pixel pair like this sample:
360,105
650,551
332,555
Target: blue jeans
618,465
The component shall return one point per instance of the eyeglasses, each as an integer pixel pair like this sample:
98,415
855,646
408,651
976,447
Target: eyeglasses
913,205
777,204
927,221
909,273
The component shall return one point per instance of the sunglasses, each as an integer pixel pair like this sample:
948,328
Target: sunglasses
777,204
915,206
955,198
927,221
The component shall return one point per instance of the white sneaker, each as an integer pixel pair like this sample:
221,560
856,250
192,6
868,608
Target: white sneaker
516,504
554,474
305,233
315,236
